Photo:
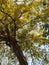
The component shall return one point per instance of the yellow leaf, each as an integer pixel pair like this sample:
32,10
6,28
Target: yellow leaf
3,5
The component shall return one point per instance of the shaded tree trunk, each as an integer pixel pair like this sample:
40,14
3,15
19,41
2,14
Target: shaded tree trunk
18,53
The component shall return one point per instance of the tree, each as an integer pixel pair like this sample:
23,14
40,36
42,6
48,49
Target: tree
22,25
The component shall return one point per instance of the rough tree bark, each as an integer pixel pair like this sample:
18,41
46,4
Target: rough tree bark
16,49
18,53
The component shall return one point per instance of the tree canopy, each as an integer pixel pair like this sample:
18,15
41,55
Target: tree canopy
24,27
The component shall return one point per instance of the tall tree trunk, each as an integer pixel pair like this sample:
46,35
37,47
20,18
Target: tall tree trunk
18,53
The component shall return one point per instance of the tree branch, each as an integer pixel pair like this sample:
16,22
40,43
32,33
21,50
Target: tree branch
13,21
